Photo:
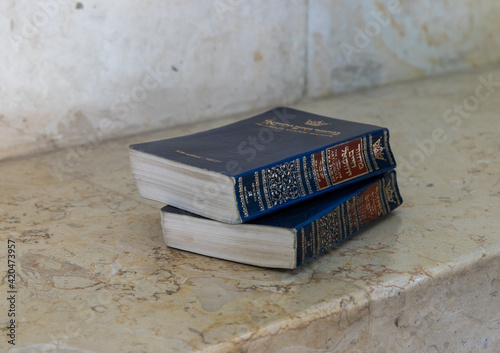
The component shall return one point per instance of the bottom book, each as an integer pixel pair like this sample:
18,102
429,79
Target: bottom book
291,236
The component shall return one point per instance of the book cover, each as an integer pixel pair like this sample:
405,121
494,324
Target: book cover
274,159
311,227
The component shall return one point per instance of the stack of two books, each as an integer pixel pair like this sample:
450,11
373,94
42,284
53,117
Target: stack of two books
274,190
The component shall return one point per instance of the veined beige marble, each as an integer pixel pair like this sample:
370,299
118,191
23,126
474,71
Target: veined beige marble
95,276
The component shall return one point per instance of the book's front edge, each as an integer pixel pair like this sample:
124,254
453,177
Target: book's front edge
207,237
209,191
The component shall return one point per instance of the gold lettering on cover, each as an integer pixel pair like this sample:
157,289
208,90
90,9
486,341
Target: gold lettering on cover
270,123
198,157
188,154
316,122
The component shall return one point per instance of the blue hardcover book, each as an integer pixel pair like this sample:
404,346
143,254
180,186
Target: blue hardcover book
291,236
243,170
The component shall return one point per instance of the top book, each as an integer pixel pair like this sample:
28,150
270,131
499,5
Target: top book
246,169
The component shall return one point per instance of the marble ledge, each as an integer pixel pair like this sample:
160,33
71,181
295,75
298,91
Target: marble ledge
95,276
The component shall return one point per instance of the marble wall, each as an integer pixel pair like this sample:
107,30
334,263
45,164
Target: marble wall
354,44
80,71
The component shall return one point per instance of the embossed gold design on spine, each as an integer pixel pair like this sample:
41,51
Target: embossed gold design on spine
282,182
321,178
370,146
352,215
383,197
303,245
308,243
257,190
298,175
386,143
389,193
378,149
265,187
307,174
242,196
323,163
313,236
393,178
330,230
344,223
316,183
343,233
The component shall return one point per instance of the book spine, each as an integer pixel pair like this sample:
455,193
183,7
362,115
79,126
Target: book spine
290,181
356,213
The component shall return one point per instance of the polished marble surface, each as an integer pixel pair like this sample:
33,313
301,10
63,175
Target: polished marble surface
95,276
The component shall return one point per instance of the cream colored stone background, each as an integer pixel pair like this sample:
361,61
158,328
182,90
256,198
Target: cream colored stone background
354,44
80,71
95,69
